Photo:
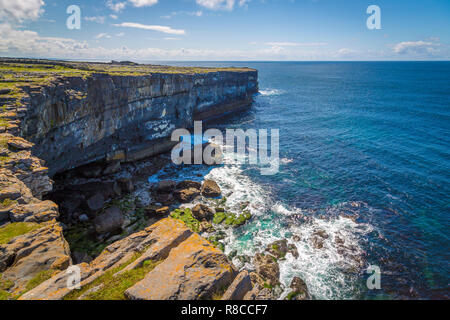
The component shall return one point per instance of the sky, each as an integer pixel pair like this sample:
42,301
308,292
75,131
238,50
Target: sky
226,30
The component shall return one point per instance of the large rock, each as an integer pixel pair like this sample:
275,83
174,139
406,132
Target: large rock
19,143
318,238
241,285
193,270
56,288
96,202
280,248
166,186
211,189
299,289
154,243
267,267
39,250
189,184
202,212
110,220
186,195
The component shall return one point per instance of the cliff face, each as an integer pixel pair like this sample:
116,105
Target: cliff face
58,115
74,121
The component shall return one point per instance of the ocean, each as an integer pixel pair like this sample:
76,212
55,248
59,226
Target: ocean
364,162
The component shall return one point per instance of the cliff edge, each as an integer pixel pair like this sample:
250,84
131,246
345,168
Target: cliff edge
58,115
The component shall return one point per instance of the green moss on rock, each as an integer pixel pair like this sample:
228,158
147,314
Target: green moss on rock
186,216
12,230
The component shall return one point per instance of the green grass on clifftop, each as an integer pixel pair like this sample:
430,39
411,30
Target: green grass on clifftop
112,285
12,230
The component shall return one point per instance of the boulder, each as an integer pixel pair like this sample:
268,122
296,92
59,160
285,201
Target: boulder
110,220
186,195
71,202
189,184
318,238
96,202
267,267
280,248
239,287
194,270
202,212
163,211
166,186
299,290
211,189
164,198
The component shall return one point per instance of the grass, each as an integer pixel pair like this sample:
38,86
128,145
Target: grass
4,295
113,286
12,230
6,203
39,278
4,286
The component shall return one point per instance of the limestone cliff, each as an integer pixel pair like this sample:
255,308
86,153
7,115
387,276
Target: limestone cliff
74,121
59,115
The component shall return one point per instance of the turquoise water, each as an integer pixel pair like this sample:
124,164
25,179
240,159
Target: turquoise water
363,140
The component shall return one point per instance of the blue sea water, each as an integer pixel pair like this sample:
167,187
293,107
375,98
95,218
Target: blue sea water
368,141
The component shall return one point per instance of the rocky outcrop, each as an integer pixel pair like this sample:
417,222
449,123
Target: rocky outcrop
241,285
194,270
189,268
53,122
211,189
27,255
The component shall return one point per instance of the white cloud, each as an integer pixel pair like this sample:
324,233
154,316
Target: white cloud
116,6
98,19
26,43
143,3
20,10
163,29
217,4
417,47
113,16
345,52
189,13
102,35
297,44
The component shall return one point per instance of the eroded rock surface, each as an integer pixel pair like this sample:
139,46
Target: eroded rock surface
194,270
39,250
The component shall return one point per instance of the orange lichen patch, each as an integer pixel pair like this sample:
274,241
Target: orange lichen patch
195,269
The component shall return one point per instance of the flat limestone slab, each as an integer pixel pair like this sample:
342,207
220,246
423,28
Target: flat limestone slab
193,270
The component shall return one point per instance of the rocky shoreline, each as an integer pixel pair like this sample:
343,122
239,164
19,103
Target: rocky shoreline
129,238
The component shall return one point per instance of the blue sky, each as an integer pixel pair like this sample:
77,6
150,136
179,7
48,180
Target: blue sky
146,30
